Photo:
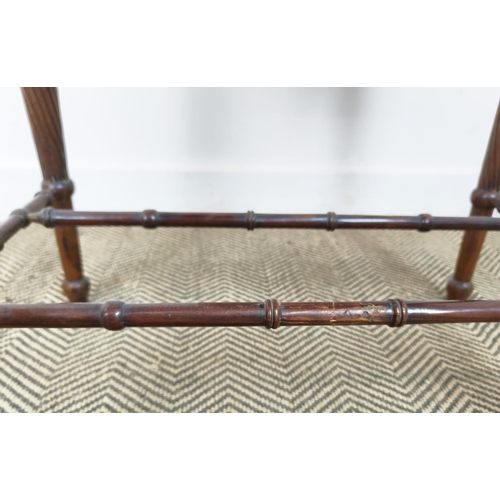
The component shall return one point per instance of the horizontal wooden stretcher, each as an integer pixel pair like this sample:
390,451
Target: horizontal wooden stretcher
116,315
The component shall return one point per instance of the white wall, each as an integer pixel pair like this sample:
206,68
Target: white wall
364,150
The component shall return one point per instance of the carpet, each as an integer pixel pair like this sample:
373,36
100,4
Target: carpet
419,368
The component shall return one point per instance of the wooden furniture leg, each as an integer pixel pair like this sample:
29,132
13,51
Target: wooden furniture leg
42,104
484,200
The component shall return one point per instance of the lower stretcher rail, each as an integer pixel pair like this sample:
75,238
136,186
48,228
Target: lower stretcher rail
116,315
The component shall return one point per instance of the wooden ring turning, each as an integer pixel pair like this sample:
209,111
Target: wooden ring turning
250,220
400,312
112,315
273,313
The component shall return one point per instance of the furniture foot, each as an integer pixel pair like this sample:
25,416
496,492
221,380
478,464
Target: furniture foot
76,291
484,200
459,290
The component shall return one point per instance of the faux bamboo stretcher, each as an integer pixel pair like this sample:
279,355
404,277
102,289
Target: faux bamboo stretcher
52,208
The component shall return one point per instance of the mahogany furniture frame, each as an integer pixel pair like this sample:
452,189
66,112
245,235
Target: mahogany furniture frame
52,207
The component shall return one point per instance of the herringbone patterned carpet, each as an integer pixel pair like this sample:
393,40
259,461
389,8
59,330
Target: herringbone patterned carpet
434,368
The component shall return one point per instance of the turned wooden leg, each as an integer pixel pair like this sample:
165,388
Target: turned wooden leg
484,200
42,104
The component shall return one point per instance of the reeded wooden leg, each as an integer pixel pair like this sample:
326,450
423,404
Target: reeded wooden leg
484,200
42,104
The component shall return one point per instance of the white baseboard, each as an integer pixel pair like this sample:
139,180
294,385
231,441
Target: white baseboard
272,192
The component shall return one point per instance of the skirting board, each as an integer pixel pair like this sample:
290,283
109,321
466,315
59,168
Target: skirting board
271,192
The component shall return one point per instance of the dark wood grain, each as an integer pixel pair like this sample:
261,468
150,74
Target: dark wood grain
151,219
42,105
272,314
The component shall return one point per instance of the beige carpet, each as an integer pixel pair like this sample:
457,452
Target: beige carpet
434,368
